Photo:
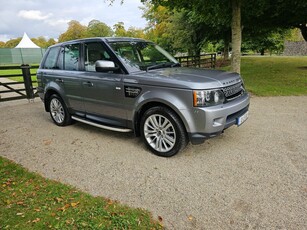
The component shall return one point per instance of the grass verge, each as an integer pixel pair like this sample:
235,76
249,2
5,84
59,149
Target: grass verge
275,76
28,201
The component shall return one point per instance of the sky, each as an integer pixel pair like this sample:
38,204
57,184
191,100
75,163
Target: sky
49,18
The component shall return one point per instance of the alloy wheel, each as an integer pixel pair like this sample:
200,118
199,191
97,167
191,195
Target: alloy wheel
159,133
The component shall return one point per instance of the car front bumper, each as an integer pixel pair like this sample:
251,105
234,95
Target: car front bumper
211,121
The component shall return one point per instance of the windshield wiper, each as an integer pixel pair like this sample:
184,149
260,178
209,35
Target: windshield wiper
160,65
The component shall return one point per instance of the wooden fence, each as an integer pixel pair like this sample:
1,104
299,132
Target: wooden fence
202,61
11,89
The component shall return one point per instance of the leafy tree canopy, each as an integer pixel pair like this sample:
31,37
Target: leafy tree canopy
255,14
75,31
12,43
96,28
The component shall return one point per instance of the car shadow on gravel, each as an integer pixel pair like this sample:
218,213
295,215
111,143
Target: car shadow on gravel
208,147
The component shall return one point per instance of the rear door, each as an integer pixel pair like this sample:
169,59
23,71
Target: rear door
60,71
69,76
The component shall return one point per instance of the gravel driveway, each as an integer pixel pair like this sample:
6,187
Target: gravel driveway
254,176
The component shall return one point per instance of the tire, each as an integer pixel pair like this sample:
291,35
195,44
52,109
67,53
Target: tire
58,111
163,131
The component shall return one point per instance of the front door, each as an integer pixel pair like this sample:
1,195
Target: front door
103,93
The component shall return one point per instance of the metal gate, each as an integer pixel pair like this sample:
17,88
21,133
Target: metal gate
16,83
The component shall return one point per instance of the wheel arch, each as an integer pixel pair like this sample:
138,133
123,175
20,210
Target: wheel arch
149,104
47,96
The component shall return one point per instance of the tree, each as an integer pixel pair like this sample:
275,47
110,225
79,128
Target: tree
51,42
13,42
119,29
2,44
285,14
40,41
159,25
219,7
135,32
272,41
236,35
188,33
175,30
294,35
215,20
75,31
96,28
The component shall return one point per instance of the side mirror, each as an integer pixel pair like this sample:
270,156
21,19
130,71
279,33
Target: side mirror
105,66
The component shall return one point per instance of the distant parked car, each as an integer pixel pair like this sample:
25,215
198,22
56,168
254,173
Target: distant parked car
133,85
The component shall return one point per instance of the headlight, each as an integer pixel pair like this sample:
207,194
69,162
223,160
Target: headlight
208,97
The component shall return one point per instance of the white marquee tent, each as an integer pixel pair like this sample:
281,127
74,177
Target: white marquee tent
26,42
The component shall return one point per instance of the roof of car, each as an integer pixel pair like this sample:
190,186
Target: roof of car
106,39
113,39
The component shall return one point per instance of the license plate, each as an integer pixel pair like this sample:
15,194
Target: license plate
242,119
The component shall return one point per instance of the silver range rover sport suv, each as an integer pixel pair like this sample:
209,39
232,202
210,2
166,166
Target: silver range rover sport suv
133,85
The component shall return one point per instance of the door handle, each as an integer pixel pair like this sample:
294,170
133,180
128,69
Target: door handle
88,83
59,80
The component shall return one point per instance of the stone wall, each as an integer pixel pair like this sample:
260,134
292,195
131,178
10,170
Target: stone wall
295,48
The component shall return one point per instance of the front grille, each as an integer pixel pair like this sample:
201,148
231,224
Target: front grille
233,91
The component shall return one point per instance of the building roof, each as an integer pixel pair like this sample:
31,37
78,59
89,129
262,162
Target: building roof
26,42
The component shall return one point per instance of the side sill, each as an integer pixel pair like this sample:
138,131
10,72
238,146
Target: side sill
122,130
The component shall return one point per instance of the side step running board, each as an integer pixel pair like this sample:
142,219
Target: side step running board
122,130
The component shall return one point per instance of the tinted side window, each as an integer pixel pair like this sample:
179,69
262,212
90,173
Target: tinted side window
71,57
60,63
94,51
51,59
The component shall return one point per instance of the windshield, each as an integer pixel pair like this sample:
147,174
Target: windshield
143,55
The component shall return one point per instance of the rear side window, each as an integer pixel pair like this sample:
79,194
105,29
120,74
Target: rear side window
51,59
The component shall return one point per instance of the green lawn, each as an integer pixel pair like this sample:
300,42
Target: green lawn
28,201
17,71
275,76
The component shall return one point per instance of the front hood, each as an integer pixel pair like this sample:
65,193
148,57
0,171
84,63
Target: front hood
187,78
